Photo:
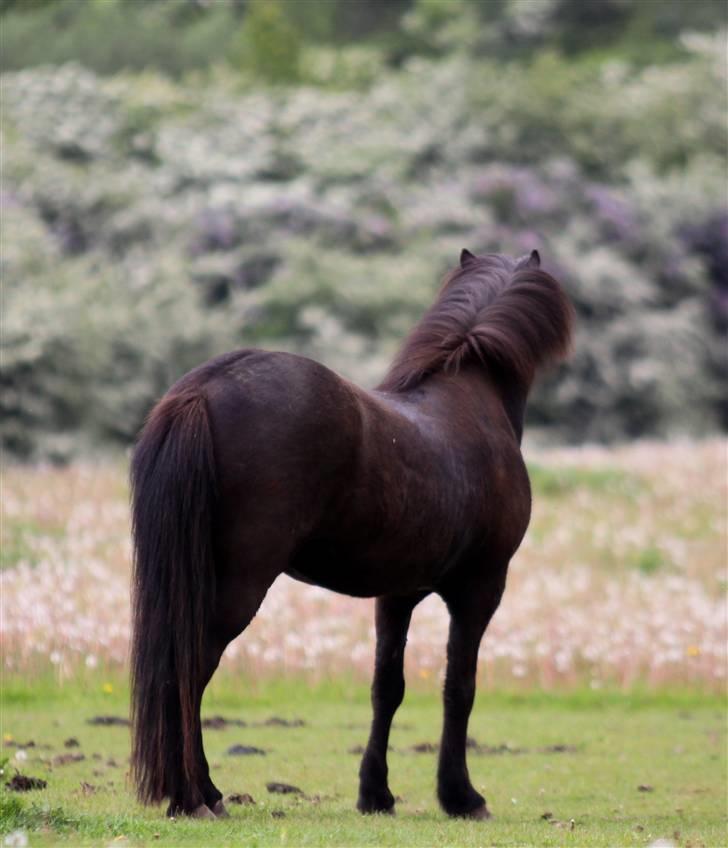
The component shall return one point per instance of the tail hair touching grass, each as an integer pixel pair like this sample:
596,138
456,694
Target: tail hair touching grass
173,495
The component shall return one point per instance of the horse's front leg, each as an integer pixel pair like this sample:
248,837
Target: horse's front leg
471,605
392,622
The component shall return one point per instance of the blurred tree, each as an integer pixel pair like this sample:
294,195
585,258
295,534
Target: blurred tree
436,27
578,25
315,19
176,35
268,43
22,5
357,20
113,35
575,25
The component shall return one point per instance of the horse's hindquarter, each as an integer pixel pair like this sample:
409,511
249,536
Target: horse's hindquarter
285,431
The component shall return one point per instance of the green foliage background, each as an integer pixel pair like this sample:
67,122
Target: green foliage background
180,178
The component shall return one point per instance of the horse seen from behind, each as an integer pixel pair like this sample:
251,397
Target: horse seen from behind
258,464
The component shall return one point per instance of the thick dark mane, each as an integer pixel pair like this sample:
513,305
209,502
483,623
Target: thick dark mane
494,310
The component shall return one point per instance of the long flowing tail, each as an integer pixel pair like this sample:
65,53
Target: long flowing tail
173,497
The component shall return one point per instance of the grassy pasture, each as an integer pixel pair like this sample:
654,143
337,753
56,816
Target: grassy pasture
672,745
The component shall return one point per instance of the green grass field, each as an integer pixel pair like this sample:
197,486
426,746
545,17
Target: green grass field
671,745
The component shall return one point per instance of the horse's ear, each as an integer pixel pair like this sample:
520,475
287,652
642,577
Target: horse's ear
466,256
533,260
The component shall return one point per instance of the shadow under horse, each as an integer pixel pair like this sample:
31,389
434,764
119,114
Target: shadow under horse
258,464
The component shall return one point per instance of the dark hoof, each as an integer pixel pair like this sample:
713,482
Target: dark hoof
202,812
376,804
467,808
219,810
481,813
375,811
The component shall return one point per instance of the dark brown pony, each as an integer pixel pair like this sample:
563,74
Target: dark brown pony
259,464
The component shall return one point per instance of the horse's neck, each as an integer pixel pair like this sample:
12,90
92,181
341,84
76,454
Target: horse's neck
514,403
498,390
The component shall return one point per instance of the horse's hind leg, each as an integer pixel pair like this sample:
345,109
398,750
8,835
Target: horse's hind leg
210,795
392,622
471,605
239,593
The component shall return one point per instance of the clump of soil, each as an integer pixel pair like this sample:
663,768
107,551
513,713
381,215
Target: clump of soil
24,783
245,751
424,748
496,750
240,798
559,749
277,721
283,788
218,722
108,721
65,759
